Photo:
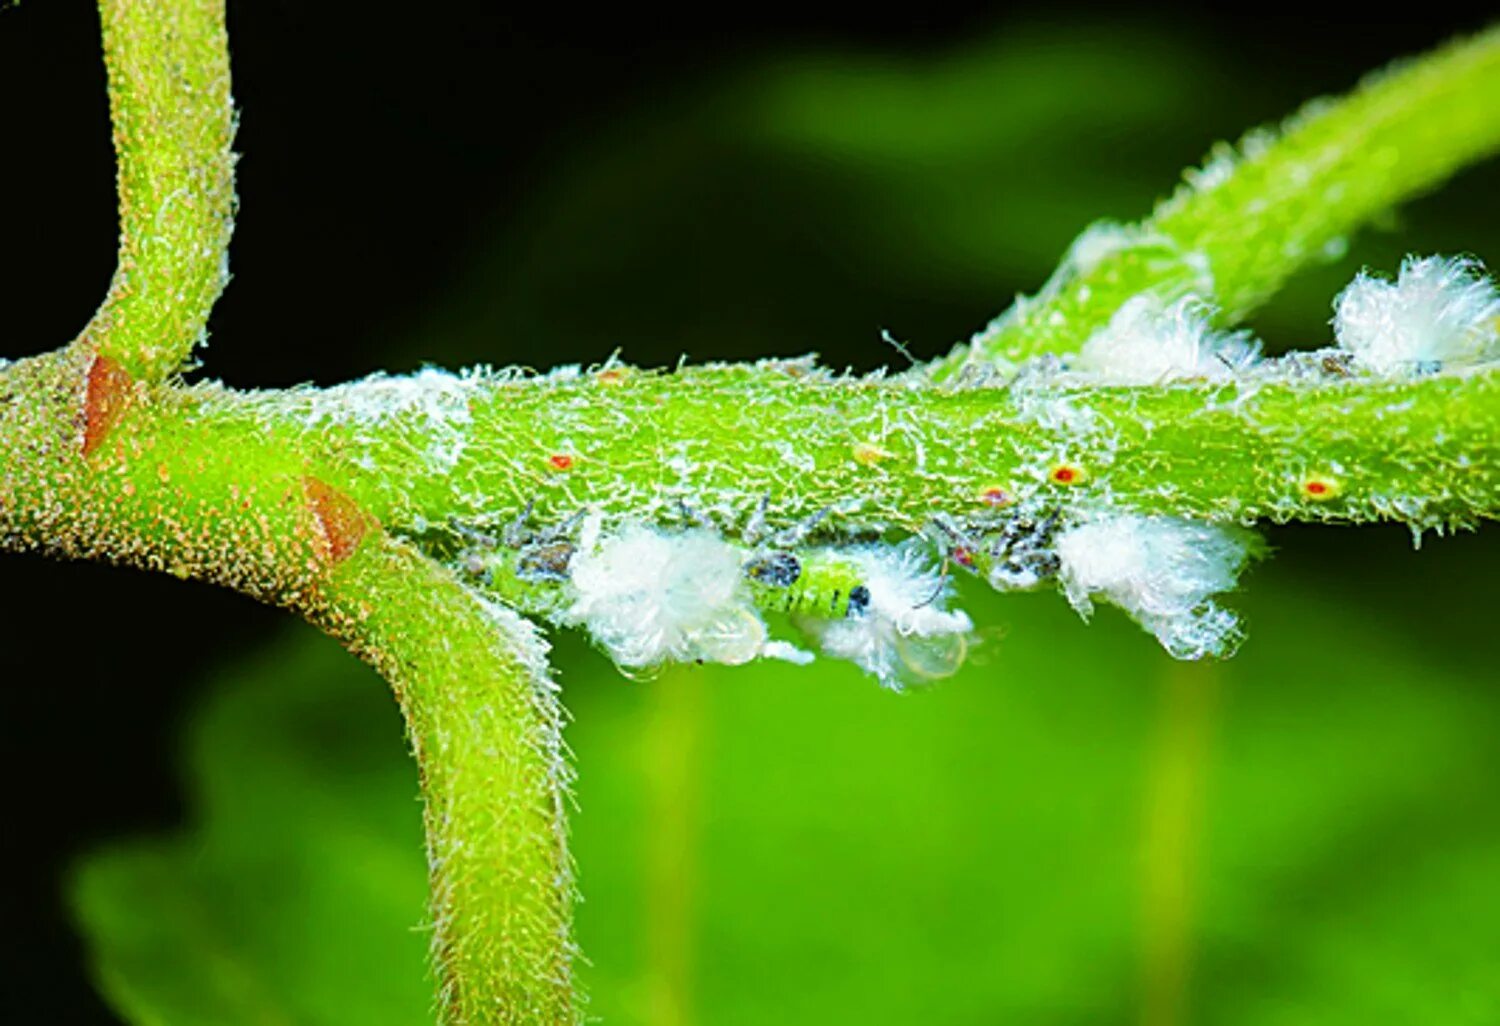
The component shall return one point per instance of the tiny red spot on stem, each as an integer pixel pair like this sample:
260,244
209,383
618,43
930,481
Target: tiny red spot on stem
560,461
1320,489
1066,474
340,522
106,395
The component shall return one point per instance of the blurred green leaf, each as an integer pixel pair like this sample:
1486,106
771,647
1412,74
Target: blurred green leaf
297,896
768,844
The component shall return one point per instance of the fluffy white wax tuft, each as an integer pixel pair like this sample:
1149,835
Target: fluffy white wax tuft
1163,572
1439,312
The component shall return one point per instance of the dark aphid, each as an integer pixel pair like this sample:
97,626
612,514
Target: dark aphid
475,559
475,565
956,543
1020,554
476,538
1336,363
1023,556
859,600
774,569
758,530
542,557
693,517
545,561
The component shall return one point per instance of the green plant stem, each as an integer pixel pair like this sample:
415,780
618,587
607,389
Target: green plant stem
885,456
471,679
168,63
1253,217
472,682
160,492
486,729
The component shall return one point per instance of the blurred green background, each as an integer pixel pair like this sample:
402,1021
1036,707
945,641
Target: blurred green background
1074,829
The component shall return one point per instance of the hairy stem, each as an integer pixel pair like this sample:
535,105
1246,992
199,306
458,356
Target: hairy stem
1254,216
882,456
168,63
471,678
486,729
96,466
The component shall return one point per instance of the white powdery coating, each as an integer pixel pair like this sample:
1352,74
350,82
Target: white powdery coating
904,633
649,596
1144,344
436,403
1439,311
432,393
1160,570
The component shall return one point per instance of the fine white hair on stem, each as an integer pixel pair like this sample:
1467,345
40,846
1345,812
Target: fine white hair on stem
649,596
1440,311
904,632
1145,343
1162,571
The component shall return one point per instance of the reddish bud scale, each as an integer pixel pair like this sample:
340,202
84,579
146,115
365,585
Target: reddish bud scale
106,394
341,524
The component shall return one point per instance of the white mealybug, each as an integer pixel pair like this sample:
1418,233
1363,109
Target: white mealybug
649,596
1147,344
1440,311
1162,571
900,629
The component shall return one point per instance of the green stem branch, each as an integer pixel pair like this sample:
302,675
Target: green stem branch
885,456
168,63
471,679
486,729
1255,215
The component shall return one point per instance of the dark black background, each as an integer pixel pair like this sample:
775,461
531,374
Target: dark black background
377,139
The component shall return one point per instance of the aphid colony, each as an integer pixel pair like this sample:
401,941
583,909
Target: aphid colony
648,595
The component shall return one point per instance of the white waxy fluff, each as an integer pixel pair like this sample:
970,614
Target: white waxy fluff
904,632
1146,344
1162,571
434,402
1440,311
649,596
